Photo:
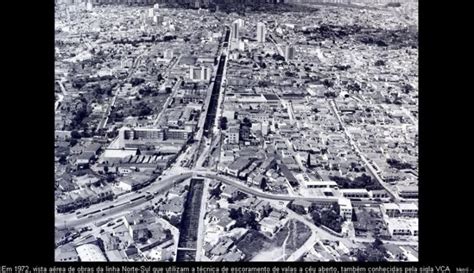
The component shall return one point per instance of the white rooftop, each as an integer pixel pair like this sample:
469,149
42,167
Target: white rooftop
90,253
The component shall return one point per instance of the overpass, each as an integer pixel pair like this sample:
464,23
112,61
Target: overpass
135,199
120,205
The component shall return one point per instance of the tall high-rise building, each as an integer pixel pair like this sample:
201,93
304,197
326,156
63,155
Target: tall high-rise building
151,12
195,73
199,73
261,31
158,20
205,73
235,30
289,52
241,22
168,54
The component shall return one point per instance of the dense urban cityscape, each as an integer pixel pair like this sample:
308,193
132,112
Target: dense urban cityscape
217,130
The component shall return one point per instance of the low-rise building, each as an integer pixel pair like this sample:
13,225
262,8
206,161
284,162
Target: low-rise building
237,166
345,208
400,210
270,225
407,191
355,193
402,227
90,253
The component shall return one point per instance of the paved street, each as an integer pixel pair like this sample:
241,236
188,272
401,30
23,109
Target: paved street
332,104
122,203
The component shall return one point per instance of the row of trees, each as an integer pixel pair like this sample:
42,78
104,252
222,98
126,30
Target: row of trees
321,215
398,164
361,182
375,252
328,217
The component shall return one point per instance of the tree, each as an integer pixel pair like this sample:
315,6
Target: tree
378,244
297,208
110,178
263,184
407,88
62,160
379,63
235,213
136,81
75,135
316,216
374,252
223,123
145,110
175,221
216,192
328,217
328,83
247,122
267,209
239,196
73,142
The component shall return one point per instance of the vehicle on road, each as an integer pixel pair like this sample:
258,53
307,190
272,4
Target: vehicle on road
86,228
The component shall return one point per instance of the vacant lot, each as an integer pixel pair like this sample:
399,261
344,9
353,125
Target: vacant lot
258,247
299,233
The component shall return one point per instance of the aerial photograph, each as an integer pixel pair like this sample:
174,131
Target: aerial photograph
236,130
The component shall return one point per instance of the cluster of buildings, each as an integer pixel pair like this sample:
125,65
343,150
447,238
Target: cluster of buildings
138,236
222,234
401,219
279,93
301,114
113,87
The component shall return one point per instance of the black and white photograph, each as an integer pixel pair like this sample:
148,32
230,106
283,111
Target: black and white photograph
236,131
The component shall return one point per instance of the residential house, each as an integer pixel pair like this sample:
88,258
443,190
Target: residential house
237,166
270,225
